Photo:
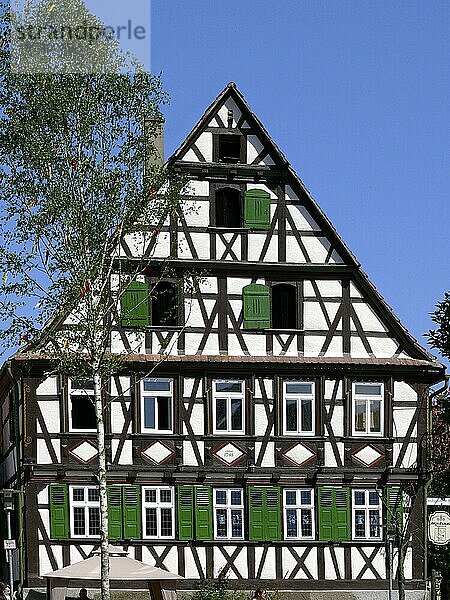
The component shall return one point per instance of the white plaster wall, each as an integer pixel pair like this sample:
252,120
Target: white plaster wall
191,568
195,316
230,104
49,387
337,423
383,347
403,392
261,186
254,147
313,316
162,246
354,292
369,320
294,254
335,347
410,457
303,220
45,566
42,496
328,289
313,344
236,284
197,188
126,454
208,285
357,349
290,351
189,386
330,459
256,345
402,419
329,387
290,194
50,412
330,571
268,386
124,383
204,143
235,247
117,418
190,156
45,516
240,562
43,455
269,454
317,248
197,420
136,339
189,457
196,213
256,244
268,570
260,420
75,554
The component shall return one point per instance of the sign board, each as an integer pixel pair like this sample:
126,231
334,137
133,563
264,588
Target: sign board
9,544
439,528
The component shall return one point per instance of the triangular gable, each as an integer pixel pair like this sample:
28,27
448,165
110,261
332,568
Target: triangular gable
263,152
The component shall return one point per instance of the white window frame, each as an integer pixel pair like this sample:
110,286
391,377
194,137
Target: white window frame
154,394
228,507
86,504
89,392
229,396
366,507
158,505
299,397
368,398
298,506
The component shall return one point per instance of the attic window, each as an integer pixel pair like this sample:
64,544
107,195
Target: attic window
165,304
229,148
284,306
228,208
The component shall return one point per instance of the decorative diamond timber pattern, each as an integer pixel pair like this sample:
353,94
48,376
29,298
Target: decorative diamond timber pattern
229,453
299,454
368,455
157,453
84,452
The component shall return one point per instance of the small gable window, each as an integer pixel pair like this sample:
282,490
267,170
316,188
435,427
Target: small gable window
284,306
228,208
81,405
165,304
230,148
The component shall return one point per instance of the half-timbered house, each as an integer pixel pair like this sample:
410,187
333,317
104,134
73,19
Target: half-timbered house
285,428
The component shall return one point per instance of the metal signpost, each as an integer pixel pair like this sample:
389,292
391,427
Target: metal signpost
9,544
439,528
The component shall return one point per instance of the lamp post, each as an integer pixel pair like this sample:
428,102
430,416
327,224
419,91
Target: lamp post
8,505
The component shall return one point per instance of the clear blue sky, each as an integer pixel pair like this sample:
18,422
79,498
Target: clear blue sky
356,94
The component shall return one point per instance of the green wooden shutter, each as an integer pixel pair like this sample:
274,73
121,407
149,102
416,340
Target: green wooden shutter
59,511
186,512
395,508
256,299
272,519
257,209
131,506
203,513
256,513
334,514
341,520
115,513
325,514
134,305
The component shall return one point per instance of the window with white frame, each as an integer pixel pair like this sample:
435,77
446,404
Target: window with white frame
298,514
298,398
368,408
228,514
157,405
84,511
228,406
81,405
366,514
158,512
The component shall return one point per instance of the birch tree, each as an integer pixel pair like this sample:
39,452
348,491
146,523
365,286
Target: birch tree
73,146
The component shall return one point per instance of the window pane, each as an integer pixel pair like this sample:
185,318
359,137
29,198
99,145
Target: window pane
228,386
374,498
359,498
374,522
305,496
221,497
83,412
93,494
150,522
149,412
375,406
360,415
166,521
164,413
236,414
291,497
291,414
291,522
150,495
360,523
221,414
236,497
157,385
236,523
221,521
94,521
371,389
81,384
79,527
298,388
166,495
306,522
78,494
306,415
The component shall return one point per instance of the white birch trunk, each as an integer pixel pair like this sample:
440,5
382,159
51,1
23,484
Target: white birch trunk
104,538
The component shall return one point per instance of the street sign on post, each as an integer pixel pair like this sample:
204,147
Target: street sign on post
9,544
439,528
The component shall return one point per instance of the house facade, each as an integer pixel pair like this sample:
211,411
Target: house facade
272,418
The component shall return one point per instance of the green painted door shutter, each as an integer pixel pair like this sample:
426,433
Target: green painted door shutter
257,209
131,503
134,305
59,511
264,509
395,508
186,512
115,513
334,514
203,513
256,299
